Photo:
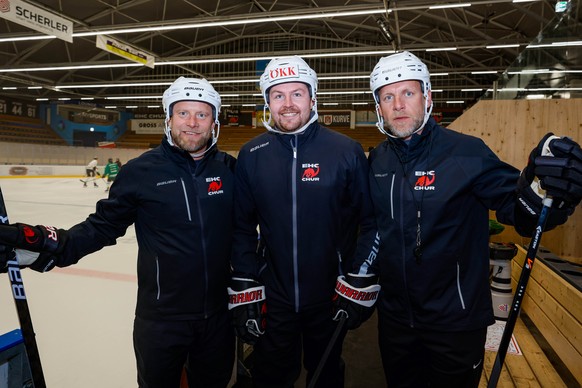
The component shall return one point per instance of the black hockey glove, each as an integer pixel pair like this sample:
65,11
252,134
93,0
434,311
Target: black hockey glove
41,262
554,169
248,308
355,296
47,240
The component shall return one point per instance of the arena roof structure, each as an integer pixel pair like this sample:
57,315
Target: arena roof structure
125,53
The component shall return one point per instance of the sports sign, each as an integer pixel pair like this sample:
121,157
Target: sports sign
38,19
123,50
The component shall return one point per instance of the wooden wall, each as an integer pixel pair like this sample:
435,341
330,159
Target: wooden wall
512,128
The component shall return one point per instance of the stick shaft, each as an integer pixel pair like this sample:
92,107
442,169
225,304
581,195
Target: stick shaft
21,303
519,294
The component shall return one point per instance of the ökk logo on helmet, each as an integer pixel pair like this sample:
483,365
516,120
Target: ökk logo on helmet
284,72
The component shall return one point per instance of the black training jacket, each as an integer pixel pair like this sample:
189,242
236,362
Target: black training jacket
308,193
183,222
453,180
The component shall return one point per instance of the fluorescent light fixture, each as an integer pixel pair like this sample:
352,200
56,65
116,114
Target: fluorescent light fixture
23,38
450,6
436,90
347,92
234,22
34,87
359,103
556,44
438,74
441,49
496,46
472,90
87,98
530,71
157,106
131,107
87,86
455,102
76,67
330,103
64,99
42,99
524,1
535,97
485,72
9,88
249,105
110,106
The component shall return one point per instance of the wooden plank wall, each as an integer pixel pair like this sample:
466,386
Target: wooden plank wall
555,308
512,128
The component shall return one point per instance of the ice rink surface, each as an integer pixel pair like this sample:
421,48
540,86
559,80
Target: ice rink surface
83,314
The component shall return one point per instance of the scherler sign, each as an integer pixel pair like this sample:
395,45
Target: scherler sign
30,16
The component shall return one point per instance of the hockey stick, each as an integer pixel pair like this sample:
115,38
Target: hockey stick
21,303
519,294
327,351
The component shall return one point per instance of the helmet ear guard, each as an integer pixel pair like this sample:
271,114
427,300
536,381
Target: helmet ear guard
403,66
191,89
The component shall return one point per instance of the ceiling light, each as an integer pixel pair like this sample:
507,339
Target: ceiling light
441,49
485,72
455,102
496,46
450,6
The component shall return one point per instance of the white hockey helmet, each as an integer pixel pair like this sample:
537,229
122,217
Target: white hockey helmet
288,69
191,89
403,66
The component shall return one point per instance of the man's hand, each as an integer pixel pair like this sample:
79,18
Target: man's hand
555,169
41,262
248,308
37,238
355,296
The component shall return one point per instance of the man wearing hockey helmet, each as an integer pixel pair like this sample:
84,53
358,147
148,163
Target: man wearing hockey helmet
432,190
179,195
306,187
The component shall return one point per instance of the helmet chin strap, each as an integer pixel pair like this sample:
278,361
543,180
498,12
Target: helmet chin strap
380,123
312,119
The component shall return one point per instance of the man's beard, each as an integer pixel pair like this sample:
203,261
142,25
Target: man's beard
407,132
189,146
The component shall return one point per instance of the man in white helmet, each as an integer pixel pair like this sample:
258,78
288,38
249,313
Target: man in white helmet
432,190
306,187
179,195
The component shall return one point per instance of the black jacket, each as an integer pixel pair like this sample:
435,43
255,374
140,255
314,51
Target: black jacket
453,180
182,213
309,194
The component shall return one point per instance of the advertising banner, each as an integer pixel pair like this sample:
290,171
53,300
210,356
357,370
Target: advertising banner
36,18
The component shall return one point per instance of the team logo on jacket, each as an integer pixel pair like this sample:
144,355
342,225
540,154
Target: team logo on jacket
310,172
214,185
425,180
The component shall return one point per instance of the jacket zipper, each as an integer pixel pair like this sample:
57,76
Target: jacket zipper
294,194
403,253
158,278
459,286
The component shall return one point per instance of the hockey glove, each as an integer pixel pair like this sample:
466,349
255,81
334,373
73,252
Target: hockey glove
557,163
41,262
355,296
47,240
248,309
